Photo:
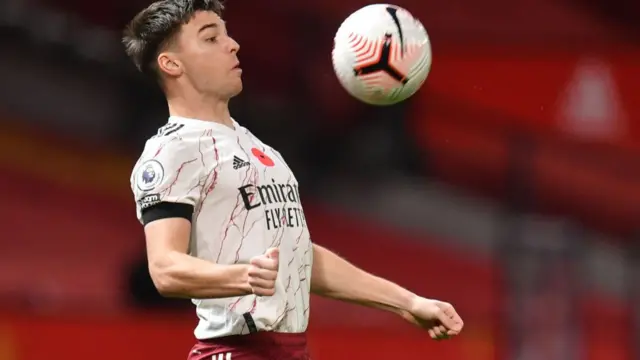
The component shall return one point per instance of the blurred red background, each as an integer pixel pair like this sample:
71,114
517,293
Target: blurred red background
529,119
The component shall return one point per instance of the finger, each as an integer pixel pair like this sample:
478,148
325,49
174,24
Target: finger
264,262
453,315
436,331
450,311
273,253
445,320
261,283
432,334
441,332
264,291
449,318
452,332
266,274
457,329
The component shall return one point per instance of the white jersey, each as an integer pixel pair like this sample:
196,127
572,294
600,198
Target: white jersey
245,200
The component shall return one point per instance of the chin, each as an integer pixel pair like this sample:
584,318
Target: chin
236,90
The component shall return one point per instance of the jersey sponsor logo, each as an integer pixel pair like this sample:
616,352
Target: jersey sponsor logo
264,159
149,200
239,163
149,175
281,203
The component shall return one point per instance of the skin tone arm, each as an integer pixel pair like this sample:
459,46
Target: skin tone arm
336,278
176,274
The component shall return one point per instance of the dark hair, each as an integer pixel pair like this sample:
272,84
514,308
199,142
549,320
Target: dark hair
154,27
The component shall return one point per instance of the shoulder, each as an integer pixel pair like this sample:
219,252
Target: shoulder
163,154
255,139
172,139
247,132
177,142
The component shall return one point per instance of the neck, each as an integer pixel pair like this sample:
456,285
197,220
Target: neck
202,108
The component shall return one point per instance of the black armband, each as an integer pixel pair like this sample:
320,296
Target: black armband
166,210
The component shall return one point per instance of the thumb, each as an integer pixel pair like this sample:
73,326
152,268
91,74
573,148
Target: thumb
273,253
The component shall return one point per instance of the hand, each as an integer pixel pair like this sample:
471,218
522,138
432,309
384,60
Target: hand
263,271
439,318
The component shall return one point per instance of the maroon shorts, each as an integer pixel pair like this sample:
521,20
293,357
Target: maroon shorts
256,346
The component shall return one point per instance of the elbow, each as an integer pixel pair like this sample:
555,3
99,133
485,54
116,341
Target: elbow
163,284
163,279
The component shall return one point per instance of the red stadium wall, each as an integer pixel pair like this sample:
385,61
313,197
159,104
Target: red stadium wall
575,115
157,337
166,338
540,90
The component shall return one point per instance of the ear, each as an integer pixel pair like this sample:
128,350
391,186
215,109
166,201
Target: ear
169,64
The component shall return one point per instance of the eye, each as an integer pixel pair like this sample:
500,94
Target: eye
212,39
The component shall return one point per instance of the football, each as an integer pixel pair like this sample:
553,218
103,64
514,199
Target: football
381,54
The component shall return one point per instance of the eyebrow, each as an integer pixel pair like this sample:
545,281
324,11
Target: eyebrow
208,26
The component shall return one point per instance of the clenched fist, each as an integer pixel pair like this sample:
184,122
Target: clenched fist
439,318
263,272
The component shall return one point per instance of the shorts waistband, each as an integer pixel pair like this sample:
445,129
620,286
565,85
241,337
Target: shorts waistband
266,338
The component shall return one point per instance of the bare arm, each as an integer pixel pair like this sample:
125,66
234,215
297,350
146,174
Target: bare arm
176,274
336,278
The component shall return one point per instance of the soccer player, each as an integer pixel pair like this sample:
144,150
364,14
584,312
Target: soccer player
221,210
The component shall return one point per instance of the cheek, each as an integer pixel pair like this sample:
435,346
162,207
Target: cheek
203,60
208,61
189,63
195,58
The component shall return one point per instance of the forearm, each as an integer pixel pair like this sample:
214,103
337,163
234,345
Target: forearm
184,276
336,278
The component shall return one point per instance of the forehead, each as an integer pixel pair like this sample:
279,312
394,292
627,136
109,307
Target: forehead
203,19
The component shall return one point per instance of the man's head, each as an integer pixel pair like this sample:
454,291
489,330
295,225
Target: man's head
184,44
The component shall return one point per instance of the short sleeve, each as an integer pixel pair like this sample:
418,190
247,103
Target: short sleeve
166,181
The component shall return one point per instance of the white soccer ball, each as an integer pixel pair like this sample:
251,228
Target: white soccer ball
381,54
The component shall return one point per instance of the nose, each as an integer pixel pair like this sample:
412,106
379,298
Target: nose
234,46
